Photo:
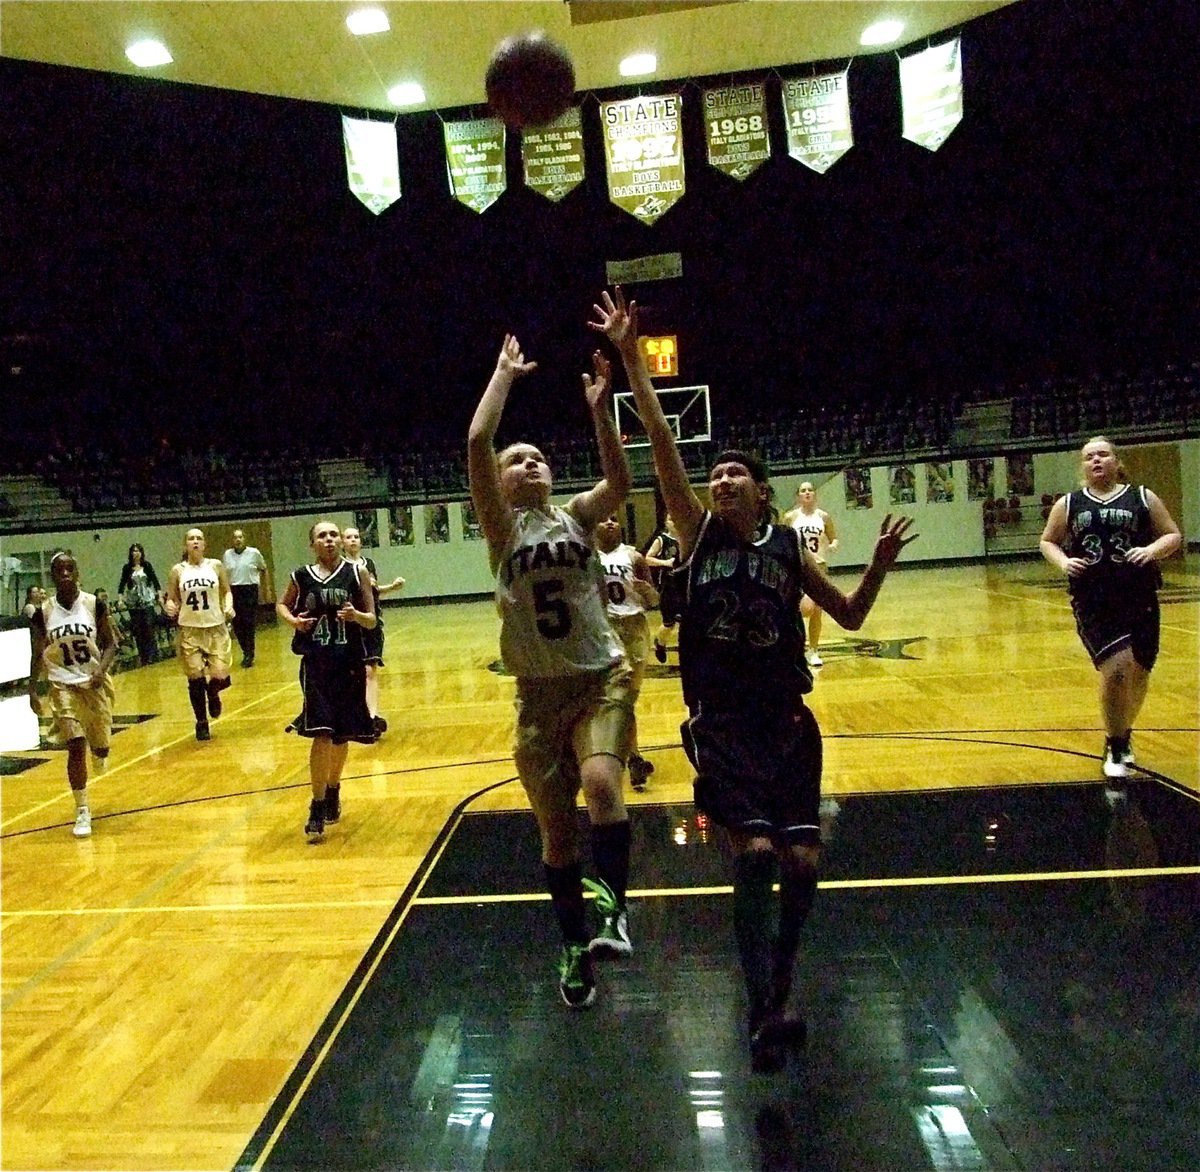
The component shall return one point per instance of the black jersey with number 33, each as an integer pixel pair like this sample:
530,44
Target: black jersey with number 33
321,598
1101,531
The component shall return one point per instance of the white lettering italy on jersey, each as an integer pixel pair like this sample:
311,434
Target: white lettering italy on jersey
548,593
200,595
811,527
619,594
71,647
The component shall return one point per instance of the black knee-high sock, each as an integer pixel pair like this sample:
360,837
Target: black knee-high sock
754,923
565,885
797,887
216,687
198,698
610,853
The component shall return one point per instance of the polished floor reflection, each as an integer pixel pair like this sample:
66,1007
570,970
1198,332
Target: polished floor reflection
993,979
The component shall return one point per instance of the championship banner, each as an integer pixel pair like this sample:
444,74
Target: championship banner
372,168
643,154
735,128
553,156
931,93
475,161
816,111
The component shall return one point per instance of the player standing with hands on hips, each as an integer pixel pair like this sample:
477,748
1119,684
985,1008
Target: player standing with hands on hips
574,707
754,745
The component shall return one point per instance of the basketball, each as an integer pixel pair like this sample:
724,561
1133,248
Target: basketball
530,80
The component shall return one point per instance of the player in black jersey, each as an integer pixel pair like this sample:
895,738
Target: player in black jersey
328,605
755,746
662,556
1108,539
373,639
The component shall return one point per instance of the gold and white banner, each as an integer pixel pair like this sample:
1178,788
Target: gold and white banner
816,111
553,156
372,167
931,93
475,161
643,154
735,128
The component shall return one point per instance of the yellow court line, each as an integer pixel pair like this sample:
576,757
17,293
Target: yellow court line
847,884
96,778
315,905
355,997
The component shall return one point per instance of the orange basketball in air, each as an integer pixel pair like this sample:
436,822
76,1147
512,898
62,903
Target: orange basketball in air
530,80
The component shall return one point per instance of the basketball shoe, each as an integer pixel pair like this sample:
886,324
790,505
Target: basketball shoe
576,978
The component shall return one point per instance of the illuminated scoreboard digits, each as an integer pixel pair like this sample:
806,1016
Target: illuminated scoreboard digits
661,356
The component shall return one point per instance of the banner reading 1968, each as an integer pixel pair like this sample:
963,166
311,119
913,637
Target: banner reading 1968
643,154
735,128
817,113
553,156
475,161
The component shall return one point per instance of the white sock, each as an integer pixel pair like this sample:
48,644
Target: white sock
80,796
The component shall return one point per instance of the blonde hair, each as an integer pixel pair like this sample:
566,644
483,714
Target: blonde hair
1102,439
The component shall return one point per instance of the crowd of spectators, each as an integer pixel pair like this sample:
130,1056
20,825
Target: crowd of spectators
166,477
428,462
1073,407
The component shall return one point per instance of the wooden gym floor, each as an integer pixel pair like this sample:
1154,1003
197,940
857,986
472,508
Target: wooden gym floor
1000,972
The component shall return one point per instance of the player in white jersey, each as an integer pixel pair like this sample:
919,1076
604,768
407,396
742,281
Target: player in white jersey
200,600
573,702
74,645
628,592
818,536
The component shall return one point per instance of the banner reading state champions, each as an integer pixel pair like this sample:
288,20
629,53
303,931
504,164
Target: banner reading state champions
643,154
735,127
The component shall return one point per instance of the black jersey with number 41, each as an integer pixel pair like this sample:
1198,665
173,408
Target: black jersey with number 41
321,598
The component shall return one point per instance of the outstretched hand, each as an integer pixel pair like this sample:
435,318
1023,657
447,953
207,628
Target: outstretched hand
892,540
616,320
597,389
512,359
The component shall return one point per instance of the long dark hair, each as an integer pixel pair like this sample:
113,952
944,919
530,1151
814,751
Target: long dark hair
127,571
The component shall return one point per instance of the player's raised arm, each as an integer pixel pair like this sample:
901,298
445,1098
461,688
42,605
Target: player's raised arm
850,610
617,321
593,506
493,511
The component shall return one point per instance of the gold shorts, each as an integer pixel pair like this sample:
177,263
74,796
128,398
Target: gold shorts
634,632
84,712
563,721
204,647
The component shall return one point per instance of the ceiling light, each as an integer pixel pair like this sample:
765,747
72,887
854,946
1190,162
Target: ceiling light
149,53
407,93
365,21
638,64
882,32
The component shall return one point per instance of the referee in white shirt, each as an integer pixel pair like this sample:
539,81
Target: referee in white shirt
247,570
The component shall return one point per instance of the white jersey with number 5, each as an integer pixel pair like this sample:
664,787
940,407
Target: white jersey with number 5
200,595
71,648
549,592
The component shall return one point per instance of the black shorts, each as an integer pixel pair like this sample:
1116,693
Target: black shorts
758,772
335,702
1109,623
373,644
